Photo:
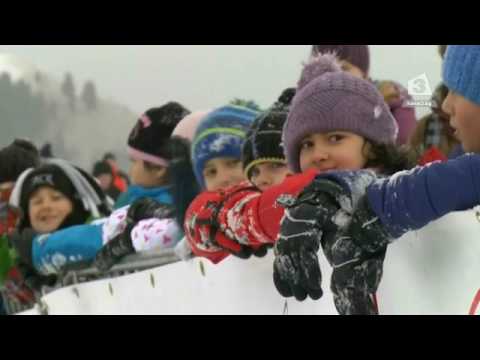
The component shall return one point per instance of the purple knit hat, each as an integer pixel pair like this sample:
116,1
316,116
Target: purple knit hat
329,99
358,55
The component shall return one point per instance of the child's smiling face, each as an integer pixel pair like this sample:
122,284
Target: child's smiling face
48,209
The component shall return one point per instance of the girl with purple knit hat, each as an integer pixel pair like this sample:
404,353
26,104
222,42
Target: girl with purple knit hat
354,216
336,122
355,59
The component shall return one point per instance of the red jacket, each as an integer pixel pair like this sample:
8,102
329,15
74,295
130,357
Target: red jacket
118,181
243,213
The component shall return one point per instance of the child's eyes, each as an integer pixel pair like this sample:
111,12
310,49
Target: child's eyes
276,166
36,201
209,173
306,145
335,138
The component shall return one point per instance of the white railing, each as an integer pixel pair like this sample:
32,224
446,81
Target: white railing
432,271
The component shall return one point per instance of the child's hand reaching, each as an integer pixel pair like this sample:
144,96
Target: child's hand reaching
121,244
333,211
296,267
356,254
209,230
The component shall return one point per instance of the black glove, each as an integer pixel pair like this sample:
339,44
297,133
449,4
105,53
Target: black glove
121,245
296,269
356,254
112,252
148,208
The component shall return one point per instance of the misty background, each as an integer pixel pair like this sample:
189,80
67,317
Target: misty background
85,99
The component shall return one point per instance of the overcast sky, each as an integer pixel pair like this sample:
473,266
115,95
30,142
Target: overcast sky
205,76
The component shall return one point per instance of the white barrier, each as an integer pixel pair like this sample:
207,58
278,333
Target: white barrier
195,287
433,271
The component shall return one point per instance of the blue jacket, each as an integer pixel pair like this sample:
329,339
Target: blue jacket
51,252
409,200
134,192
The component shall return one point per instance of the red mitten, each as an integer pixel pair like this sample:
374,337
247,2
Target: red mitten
239,220
269,212
207,234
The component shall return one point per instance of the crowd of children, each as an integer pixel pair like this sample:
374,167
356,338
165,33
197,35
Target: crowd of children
337,164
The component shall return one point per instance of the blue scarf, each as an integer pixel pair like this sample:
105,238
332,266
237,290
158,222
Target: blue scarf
134,192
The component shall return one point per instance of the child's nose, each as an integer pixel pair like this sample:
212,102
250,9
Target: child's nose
46,205
447,104
320,154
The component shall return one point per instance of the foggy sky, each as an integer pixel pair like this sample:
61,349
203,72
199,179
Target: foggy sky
206,76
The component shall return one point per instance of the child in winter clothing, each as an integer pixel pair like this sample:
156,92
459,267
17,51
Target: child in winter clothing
248,217
355,59
54,198
360,215
148,150
217,147
263,157
84,242
120,179
103,173
151,225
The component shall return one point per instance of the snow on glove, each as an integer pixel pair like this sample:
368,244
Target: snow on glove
356,255
296,267
357,249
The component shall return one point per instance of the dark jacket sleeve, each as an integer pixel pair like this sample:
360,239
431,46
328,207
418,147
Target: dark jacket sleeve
409,200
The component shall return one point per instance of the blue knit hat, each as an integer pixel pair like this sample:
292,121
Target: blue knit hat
220,134
461,71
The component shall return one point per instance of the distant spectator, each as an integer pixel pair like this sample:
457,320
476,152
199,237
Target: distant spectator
434,138
46,151
102,171
120,179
